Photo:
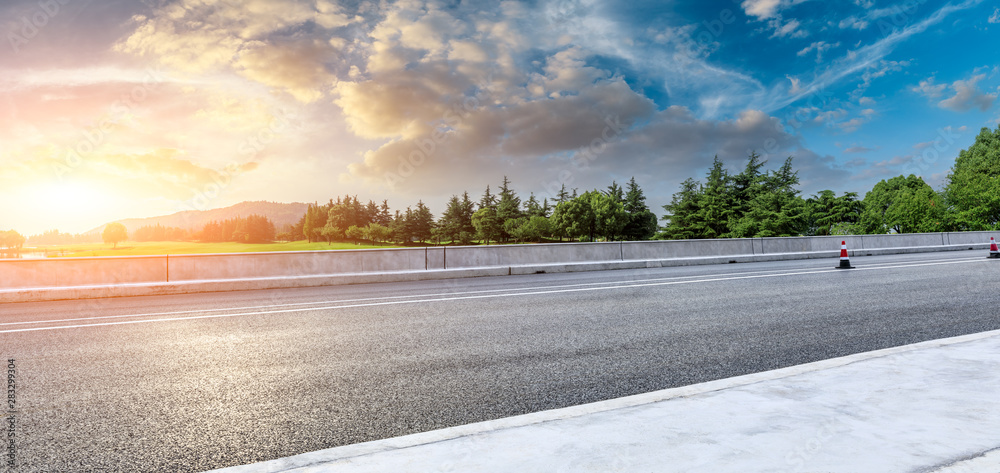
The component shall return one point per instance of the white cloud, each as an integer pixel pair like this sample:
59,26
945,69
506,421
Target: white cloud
929,89
767,9
789,29
770,11
968,96
882,69
995,17
260,39
820,47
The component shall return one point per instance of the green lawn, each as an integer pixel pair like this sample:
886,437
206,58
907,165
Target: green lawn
131,248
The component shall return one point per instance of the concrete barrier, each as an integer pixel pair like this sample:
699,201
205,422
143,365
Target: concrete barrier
969,238
299,263
45,279
668,249
517,255
26,273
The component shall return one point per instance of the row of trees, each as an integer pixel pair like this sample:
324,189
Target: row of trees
55,237
753,203
251,229
11,240
160,233
614,214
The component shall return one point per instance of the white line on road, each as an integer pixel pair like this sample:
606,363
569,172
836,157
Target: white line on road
484,291
339,301
485,296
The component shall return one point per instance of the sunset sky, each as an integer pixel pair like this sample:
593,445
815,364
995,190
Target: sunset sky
111,109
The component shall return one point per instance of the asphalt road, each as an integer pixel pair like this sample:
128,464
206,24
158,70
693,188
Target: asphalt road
195,382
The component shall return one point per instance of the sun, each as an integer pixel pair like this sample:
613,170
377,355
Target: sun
67,204
78,196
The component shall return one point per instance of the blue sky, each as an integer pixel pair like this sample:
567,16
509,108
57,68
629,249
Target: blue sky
112,109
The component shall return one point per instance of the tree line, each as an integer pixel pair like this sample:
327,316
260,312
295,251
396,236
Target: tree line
251,229
502,217
160,233
754,203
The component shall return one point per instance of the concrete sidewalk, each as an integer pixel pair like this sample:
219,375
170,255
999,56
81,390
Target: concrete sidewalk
928,407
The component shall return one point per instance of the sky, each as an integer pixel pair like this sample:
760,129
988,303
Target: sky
113,109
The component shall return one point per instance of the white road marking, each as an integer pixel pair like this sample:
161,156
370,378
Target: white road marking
440,294
487,296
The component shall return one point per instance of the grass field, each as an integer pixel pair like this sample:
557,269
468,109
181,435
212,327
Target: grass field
131,248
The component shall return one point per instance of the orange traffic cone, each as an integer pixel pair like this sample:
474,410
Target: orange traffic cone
994,252
845,261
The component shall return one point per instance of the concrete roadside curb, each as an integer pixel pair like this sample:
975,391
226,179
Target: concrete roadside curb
314,459
987,462
249,284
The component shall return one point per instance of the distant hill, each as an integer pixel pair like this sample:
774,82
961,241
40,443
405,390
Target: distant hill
280,215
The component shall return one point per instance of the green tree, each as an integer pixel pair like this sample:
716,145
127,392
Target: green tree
114,233
610,216
641,223
745,186
332,232
716,203
377,233
384,217
775,208
356,233
508,206
827,214
457,219
314,221
533,228
533,208
615,192
575,218
488,199
400,232
488,226
422,224
682,213
902,205
972,188
562,196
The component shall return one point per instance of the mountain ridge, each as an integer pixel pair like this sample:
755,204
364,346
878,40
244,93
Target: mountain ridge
280,214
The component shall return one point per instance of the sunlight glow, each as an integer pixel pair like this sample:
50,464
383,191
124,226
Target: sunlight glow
56,204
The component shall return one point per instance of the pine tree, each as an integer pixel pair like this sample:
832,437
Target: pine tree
450,222
562,196
384,217
641,221
508,206
682,213
487,200
715,205
532,208
467,231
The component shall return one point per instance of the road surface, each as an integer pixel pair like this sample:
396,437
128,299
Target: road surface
203,381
